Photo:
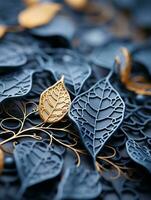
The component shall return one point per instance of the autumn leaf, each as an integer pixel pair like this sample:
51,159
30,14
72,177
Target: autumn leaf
54,102
38,14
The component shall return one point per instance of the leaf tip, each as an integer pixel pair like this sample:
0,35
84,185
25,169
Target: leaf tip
62,79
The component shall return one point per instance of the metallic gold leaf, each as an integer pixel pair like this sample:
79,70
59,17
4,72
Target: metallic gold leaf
77,5
1,160
38,14
54,102
139,87
3,30
31,2
125,65
135,83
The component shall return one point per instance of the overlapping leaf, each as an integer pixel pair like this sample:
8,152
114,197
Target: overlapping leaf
38,14
3,30
61,25
74,68
36,162
80,183
54,102
1,160
137,121
11,55
15,84
104,55
97,113
77,5
139,153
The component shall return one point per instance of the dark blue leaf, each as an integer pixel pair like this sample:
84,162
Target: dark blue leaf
36,162
11,56
104,56
97,113
79,183
15,84
139,153
74,68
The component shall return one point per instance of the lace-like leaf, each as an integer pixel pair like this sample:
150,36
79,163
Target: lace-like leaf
54,102
139,153
97,113
15,84
80,183
74,68
36,162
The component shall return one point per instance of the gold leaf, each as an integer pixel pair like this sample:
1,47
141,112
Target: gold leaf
31,2
77,4
1,160
124,63
38,14
3,30
54,102
142,87
137,84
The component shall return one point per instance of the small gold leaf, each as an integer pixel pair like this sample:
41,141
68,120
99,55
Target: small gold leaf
31,2
3,30
77,4
1,160
124,60
142,87
38,14
135,83
54,102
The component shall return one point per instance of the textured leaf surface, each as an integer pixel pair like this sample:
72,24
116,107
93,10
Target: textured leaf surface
139,153
80,183
74,68
11,55
97,113
36,162
54,102
15,84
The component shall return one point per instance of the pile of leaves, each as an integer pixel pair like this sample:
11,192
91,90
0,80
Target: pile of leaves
75,99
